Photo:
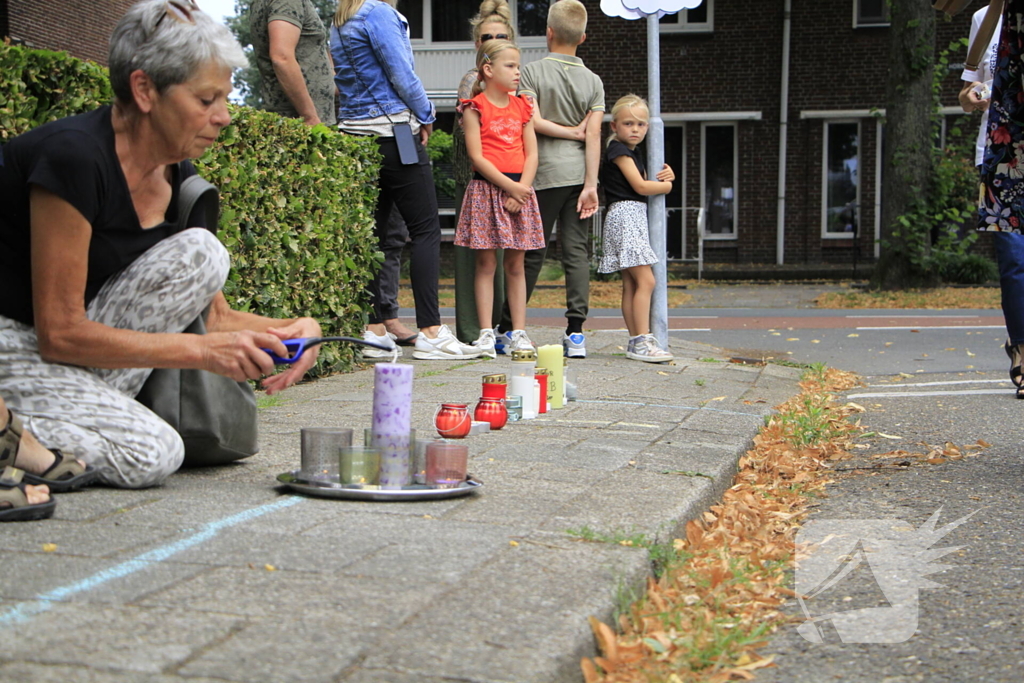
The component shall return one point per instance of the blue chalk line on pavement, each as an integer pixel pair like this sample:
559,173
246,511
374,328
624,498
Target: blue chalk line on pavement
41,603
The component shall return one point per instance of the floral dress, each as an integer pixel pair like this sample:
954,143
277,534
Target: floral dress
1002,170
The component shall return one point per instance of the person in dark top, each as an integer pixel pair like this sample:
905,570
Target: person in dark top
98,283
626,243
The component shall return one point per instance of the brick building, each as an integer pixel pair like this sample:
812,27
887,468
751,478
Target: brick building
79,27
721,86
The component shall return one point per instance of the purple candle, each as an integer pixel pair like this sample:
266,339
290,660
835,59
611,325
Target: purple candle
392,421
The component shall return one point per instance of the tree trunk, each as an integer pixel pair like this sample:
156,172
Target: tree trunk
907,156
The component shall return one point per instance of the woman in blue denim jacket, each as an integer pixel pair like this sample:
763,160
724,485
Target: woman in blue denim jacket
378,91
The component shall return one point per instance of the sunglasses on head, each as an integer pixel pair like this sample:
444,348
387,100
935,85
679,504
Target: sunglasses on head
484,37
179,10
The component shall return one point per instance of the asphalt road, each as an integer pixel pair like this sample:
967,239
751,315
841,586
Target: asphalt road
931,378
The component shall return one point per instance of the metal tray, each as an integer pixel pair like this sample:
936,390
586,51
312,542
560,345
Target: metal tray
333,489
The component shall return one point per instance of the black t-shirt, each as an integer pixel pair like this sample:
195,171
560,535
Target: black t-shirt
75,159
616,187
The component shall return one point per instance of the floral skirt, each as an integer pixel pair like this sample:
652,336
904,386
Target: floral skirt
625,240
484,223
1001,206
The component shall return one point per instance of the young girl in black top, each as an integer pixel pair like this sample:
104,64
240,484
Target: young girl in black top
626,242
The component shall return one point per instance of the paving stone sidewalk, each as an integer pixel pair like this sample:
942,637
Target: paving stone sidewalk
221,575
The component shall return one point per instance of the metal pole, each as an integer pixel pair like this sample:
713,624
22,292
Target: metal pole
656,204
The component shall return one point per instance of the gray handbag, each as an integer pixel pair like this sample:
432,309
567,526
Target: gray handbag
215,415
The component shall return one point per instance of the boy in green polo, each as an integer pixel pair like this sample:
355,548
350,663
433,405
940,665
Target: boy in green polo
566,93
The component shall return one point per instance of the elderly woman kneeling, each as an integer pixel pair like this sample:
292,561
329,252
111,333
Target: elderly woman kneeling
97,284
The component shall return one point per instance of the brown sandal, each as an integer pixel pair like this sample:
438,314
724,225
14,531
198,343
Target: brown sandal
14,505
65,474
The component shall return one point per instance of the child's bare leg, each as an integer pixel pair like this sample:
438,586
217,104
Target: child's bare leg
628,291
515,287
643,277
483,285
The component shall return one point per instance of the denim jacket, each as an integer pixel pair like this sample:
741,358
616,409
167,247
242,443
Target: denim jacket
373,66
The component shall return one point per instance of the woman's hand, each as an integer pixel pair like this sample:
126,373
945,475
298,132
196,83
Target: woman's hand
666,174
305,328
239,354
970,101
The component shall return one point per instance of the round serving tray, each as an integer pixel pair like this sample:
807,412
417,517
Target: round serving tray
333,489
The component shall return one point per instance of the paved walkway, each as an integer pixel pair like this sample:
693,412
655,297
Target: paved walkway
222,576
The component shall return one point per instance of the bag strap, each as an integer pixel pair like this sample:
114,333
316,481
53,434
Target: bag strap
194,190
950,7
984,35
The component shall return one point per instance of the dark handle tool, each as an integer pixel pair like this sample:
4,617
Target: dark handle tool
298,346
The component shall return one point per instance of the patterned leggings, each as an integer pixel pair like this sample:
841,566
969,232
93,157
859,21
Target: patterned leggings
91,413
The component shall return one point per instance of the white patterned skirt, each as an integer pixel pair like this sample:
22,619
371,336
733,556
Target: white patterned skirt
625,240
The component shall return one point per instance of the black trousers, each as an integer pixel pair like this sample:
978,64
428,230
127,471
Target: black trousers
409,189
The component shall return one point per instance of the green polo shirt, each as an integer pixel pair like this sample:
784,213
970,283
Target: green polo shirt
565,92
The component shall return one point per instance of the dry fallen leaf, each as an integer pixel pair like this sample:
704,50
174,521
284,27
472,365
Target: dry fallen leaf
49,547
514,544
793,339
719,398
852,335
270,567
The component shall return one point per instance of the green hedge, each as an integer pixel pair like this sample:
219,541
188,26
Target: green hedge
296,203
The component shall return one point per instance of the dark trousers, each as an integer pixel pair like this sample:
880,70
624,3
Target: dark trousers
410,189
559,203
1010,255
390,270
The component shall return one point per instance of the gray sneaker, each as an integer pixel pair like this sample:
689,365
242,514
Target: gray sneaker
519,341
646,349
574,345
370,353
443,347
485,343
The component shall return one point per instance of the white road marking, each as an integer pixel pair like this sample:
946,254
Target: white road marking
939,327
913,316
897,394
939,384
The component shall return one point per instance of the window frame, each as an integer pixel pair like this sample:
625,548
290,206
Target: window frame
428,25
734,125
687,27
825,234
857,23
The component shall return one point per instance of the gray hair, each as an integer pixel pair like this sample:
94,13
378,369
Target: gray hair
150,37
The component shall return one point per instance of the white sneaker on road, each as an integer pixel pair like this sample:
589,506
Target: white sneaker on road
485,343
520,342
574,345
443,347
370,353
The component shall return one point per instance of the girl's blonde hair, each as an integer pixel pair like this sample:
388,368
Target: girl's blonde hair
493,11
629,101
347,9
487,53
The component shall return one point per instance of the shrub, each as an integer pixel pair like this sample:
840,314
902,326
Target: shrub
296,203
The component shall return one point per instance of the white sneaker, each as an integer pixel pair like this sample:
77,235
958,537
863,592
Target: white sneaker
646,349
443,347
485,343
518,341
370,353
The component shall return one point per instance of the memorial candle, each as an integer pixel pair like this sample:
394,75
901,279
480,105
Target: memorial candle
550,357
392,421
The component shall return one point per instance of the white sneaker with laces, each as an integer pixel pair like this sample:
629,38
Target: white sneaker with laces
520,342
370,353
485,343
443,347
647,350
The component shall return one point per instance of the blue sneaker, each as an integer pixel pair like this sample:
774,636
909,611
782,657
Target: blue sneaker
502,341
574,345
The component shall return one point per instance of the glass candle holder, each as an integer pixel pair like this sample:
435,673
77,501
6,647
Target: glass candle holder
446,463
491,411
359,465
320,447
452,420
397,453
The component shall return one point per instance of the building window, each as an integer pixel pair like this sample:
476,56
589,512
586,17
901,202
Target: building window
700,19
718,179
840,179
870,12
447,21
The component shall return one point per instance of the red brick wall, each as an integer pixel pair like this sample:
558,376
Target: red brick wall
81,27
833,66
